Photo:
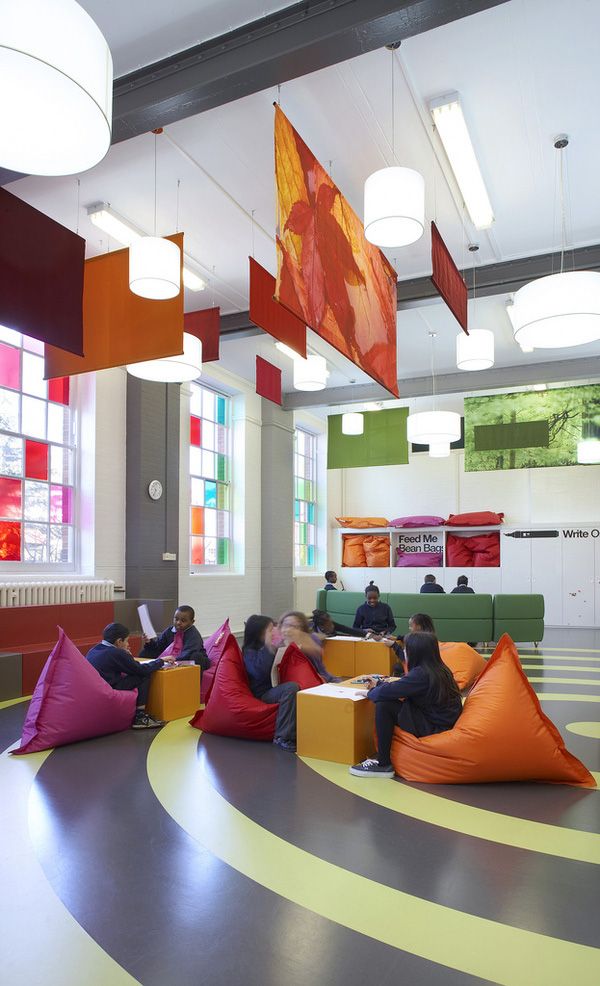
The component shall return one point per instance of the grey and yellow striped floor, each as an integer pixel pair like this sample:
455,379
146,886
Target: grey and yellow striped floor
175,858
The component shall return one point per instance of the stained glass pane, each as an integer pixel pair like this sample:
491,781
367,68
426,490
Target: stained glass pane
210,523
297,509
61,465
57,423
11,455
221,468
311,513
61,505
10,367
11,498
34,417
10,541
208,405
197,520
311,555
33,345
61,543
195,461
10,403
197,492
310,534
302,510
197,551
209,465
223,551
195,431
59,390
9,335
221,439
33,375
222,523
36,501
210,551
35,543
303,555
196,401
36,460
221,410
222,497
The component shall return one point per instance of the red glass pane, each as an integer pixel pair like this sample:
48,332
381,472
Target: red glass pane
10,367
10,541
195,430
58,390
197,520
197,551
60,504
36,460
10,498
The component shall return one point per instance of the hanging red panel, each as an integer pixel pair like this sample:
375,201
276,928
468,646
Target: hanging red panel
269,315
447,279
206,326
268,380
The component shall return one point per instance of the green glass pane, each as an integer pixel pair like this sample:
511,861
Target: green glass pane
223,551
221,468
311,513
303,555
222,497
221,408
311,555
297,509
210,494
302,533
302,489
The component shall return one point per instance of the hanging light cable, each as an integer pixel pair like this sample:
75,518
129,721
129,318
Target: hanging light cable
433,428
154,262
475,351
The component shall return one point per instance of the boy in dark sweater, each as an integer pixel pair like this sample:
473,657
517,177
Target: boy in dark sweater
113,662
430,585
181,640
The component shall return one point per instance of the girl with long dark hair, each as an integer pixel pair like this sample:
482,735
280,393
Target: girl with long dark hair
425,701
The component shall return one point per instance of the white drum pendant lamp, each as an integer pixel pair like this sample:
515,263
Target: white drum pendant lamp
394,207
154,268
172,369
433,427
558,311
439,450
476,350
310,373
588,451
353,423
56,76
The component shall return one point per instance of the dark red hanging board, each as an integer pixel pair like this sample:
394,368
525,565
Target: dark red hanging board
269,315
41,275
206,326
268,380
447,279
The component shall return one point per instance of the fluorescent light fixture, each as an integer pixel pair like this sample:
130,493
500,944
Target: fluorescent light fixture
451,125
125,232
287,351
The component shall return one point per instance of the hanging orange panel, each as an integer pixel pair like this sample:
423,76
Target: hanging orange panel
119,327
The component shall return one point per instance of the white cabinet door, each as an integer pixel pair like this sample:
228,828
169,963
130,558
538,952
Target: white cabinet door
407,579
515,559
486,580
578,581
547,577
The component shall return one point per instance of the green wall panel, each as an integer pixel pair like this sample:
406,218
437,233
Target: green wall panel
383,442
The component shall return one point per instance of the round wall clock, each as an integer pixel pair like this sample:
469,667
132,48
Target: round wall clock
155,489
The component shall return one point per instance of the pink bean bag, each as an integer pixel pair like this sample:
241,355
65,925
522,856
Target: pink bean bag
71,702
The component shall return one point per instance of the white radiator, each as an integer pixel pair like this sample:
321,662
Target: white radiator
55,593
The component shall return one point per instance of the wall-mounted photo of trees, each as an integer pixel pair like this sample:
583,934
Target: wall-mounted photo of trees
530,430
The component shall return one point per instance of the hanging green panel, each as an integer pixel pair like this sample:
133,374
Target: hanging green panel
383,442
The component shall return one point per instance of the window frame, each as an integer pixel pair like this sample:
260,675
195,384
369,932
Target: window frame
218,568
314,501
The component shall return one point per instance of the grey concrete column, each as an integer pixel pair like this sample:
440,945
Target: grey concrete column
152,453
277,510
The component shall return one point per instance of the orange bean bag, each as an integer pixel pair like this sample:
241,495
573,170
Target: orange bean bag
377,551
502,735
353,553
464,662
362,522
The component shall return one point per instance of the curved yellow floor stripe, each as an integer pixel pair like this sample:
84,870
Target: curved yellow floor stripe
473,945
42,941
562,681
574,650
554,840
565,697
589,729
560,667
14,701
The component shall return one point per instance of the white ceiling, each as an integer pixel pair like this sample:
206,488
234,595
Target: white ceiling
525,70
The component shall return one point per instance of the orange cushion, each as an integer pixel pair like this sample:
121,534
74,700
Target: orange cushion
502,735
362,522
353,555
464,662
377,551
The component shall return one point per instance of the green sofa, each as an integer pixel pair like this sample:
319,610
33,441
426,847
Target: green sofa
471,617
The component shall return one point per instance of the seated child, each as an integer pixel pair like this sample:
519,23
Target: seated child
259,654
324,626
418,622
182,640
330,579
294,628
374,615
113,662
425,701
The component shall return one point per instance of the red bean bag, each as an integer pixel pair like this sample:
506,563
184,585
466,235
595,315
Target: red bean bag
377,551
214,646
502,735
353,553
483,518
478,551
295,666
71,702
464,662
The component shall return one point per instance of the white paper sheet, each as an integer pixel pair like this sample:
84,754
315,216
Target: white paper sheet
275,667
145,621
337,691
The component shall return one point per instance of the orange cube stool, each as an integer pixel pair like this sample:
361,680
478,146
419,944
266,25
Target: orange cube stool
371,657
335,729
174,693
338,656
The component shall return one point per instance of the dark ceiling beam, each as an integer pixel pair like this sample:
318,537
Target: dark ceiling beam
504,277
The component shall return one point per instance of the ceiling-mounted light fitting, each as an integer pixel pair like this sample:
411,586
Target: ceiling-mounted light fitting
433,427
588,451
56,75
510,306
155,268
287,350
353,423
310,373
172,369
439,450
558,311
476,350
452,128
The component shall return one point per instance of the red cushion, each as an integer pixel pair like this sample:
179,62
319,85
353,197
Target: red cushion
478,551
214,646
71,702
295,666
483,518
232,709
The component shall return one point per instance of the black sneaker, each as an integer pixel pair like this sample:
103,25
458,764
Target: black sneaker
288,745
144,721
371,768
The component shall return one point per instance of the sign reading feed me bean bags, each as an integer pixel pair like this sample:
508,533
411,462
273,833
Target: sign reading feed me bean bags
383,442
422,550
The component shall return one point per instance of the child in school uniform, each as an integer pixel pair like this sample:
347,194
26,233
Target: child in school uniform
374,615
330,580
425,701
113,662
182,640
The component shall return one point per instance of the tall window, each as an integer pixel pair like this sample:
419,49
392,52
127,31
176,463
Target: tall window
210,477
37,451
305,499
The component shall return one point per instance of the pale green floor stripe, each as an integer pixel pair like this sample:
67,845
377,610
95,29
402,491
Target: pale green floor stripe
574,650
560,667
565,697
563,681
559,657
14,701
42,943
589,729
553,840
479,947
